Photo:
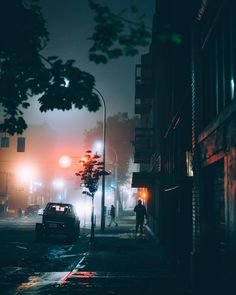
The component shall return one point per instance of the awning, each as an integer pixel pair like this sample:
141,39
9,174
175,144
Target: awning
144,179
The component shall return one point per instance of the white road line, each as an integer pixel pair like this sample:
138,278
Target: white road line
75,270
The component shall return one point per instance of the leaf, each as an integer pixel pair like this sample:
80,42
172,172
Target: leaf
25,105
110,38
52,58
98,58
133,9
114,53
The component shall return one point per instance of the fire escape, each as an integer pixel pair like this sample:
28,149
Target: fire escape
144,135
143,105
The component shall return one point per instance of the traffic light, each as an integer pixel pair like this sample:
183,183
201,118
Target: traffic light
20,144
5,142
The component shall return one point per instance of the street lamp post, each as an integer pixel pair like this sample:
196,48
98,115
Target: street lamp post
116,184
104,161
116,179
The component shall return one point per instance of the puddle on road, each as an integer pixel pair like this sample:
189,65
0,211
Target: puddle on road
60,252
40,280
109,275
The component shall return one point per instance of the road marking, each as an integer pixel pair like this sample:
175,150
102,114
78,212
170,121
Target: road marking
80,265
69,255
38,281
20,247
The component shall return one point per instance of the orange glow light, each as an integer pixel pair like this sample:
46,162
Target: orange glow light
26,173
65,161
143,194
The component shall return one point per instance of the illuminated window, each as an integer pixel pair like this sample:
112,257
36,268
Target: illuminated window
189,163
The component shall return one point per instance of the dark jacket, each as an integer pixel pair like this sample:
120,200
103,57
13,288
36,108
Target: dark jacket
112,212
140,211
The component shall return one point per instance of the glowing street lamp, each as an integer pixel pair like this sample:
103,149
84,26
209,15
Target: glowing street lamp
65,161
26,175
66,84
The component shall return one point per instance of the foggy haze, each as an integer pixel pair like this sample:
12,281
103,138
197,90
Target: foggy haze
70,23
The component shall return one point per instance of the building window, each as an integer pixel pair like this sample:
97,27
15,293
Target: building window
189,163
218,52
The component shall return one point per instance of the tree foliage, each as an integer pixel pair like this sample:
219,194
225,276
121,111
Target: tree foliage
93,169
25,72
114,35
120,131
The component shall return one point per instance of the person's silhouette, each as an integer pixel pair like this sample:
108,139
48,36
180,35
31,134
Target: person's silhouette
141,212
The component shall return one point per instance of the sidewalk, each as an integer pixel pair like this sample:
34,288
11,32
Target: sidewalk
121,262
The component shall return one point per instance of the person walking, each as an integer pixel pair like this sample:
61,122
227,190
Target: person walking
112,214
140,212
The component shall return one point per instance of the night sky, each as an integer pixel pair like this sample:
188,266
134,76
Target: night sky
70,23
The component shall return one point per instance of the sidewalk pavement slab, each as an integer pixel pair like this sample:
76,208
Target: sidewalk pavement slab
122,262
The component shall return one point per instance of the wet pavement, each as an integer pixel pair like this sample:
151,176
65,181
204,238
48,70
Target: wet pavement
119,262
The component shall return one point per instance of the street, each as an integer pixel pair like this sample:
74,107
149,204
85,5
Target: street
24,262
120,262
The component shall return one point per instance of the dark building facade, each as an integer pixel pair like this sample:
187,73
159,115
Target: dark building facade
185,145
213,122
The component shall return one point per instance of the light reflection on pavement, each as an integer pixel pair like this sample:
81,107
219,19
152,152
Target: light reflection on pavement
37,281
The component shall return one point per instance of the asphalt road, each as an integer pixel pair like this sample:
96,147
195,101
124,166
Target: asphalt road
120,262
25,263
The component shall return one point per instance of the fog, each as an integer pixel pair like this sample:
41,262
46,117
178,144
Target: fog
56,133
70,23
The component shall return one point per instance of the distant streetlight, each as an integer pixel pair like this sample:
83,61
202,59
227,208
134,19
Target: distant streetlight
65,161
104,161
26,175
103,155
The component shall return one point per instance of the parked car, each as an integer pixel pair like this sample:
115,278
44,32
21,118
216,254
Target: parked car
58,219
32,210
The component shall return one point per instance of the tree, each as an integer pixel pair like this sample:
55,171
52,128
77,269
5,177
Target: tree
117,35
91,173
93,169
26,73
114,35
120,131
